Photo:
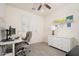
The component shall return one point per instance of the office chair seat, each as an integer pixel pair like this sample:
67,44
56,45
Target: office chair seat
23,48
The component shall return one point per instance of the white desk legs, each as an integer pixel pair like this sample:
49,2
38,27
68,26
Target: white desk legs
13,49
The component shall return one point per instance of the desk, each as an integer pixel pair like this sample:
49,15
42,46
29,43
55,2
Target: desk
13,44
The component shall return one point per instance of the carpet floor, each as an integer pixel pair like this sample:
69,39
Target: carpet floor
43,49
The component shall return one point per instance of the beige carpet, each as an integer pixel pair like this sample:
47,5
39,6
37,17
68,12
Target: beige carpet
42,49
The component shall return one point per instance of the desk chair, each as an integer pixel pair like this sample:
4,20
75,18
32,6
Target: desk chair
23,48
28,37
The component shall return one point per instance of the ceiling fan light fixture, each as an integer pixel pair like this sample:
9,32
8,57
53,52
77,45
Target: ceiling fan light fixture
39,7
47,6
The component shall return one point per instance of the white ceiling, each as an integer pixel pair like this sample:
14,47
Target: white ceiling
44,11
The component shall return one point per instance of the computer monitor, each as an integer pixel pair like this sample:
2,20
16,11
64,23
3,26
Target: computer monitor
9,32
12,31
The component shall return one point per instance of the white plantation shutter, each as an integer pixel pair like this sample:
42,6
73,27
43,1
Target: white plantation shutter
25,21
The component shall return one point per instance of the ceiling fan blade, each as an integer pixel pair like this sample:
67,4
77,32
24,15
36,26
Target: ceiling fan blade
47,6
39,7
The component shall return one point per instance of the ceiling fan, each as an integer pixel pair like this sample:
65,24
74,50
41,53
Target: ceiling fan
40,6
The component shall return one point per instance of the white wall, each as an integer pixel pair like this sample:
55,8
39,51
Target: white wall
2,23
46,31
70,9
2,18
2,10
13,17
